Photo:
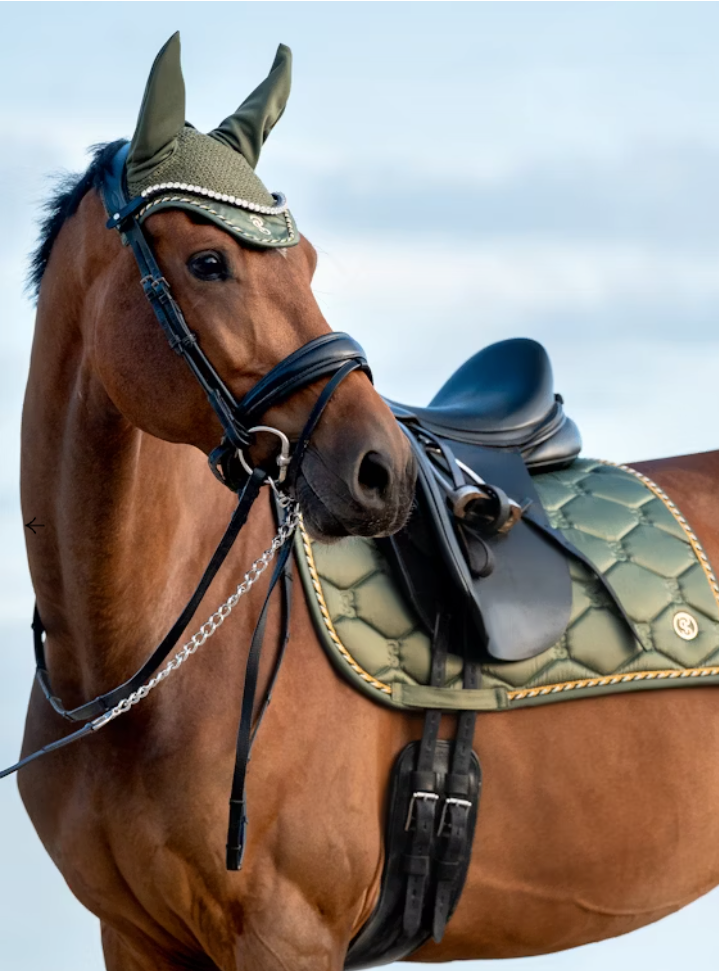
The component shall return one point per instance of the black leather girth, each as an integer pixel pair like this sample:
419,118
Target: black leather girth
440,805
431,817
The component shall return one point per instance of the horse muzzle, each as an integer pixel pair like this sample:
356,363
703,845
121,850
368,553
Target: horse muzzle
371,495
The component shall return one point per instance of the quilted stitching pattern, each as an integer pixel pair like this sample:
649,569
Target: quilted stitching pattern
617,521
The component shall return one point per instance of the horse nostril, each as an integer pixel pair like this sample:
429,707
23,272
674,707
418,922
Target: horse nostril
374,475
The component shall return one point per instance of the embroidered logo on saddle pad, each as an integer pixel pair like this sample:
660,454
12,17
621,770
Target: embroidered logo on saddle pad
627,527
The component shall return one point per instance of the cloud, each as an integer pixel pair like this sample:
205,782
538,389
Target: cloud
659,190
520,282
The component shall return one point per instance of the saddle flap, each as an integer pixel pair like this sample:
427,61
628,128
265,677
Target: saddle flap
519,607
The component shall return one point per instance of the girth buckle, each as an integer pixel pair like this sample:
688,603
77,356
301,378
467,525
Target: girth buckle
282,460
425,797
451,801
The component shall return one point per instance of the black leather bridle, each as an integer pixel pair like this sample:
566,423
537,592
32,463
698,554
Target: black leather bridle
335,356
321,357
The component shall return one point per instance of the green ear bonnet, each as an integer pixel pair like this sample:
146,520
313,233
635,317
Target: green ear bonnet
173,166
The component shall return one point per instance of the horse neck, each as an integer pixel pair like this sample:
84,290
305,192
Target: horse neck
129,521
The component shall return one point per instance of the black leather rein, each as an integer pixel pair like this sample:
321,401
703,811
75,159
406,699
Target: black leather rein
334,355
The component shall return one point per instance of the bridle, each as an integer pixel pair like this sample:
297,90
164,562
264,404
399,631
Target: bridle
321,357
335,356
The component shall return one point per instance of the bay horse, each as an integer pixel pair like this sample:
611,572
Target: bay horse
599,816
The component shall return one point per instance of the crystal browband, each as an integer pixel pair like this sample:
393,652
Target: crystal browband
197,190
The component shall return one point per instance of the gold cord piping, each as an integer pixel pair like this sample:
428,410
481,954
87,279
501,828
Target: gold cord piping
365,675
668,675
690,534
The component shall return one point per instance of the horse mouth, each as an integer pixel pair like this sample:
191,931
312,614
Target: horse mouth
329,519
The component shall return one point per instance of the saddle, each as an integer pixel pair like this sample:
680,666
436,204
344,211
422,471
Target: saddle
502,397
477,512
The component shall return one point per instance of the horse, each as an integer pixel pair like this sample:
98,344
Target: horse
598,816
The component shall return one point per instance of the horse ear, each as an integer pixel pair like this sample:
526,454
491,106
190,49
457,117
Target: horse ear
246,130
162,114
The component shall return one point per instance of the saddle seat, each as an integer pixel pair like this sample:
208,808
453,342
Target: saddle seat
502,397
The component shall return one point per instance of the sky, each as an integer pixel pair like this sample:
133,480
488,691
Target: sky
468,172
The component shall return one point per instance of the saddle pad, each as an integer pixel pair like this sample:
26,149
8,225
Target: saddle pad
626,526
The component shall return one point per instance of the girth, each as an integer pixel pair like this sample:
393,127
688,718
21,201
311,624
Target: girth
432,812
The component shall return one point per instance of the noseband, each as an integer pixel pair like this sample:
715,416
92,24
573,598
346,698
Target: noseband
333,356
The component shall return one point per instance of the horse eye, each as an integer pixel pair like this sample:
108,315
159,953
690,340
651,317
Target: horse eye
208,266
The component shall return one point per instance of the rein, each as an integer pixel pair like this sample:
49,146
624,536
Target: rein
334,355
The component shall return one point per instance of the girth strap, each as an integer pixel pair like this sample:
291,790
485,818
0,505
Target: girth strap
452,830
433,803
425,797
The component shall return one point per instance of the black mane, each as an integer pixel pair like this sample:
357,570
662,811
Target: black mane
63,203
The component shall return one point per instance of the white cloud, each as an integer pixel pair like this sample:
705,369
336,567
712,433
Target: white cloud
511,281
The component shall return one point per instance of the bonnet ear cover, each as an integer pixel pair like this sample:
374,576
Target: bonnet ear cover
247,129
171,165
162,113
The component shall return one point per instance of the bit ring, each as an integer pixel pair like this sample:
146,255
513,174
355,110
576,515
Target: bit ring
282,460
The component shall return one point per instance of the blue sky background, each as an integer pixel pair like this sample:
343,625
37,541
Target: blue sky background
468,172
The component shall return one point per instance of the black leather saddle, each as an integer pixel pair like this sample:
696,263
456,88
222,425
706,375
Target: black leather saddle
502,397
477,512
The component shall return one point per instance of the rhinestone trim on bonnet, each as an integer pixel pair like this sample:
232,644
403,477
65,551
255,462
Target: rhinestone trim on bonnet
197,190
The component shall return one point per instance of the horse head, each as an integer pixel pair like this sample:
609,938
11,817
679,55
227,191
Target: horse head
239,272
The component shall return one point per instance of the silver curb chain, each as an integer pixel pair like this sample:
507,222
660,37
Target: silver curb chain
211,625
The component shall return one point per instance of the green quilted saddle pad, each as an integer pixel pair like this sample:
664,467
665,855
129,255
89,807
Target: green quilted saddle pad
626,526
